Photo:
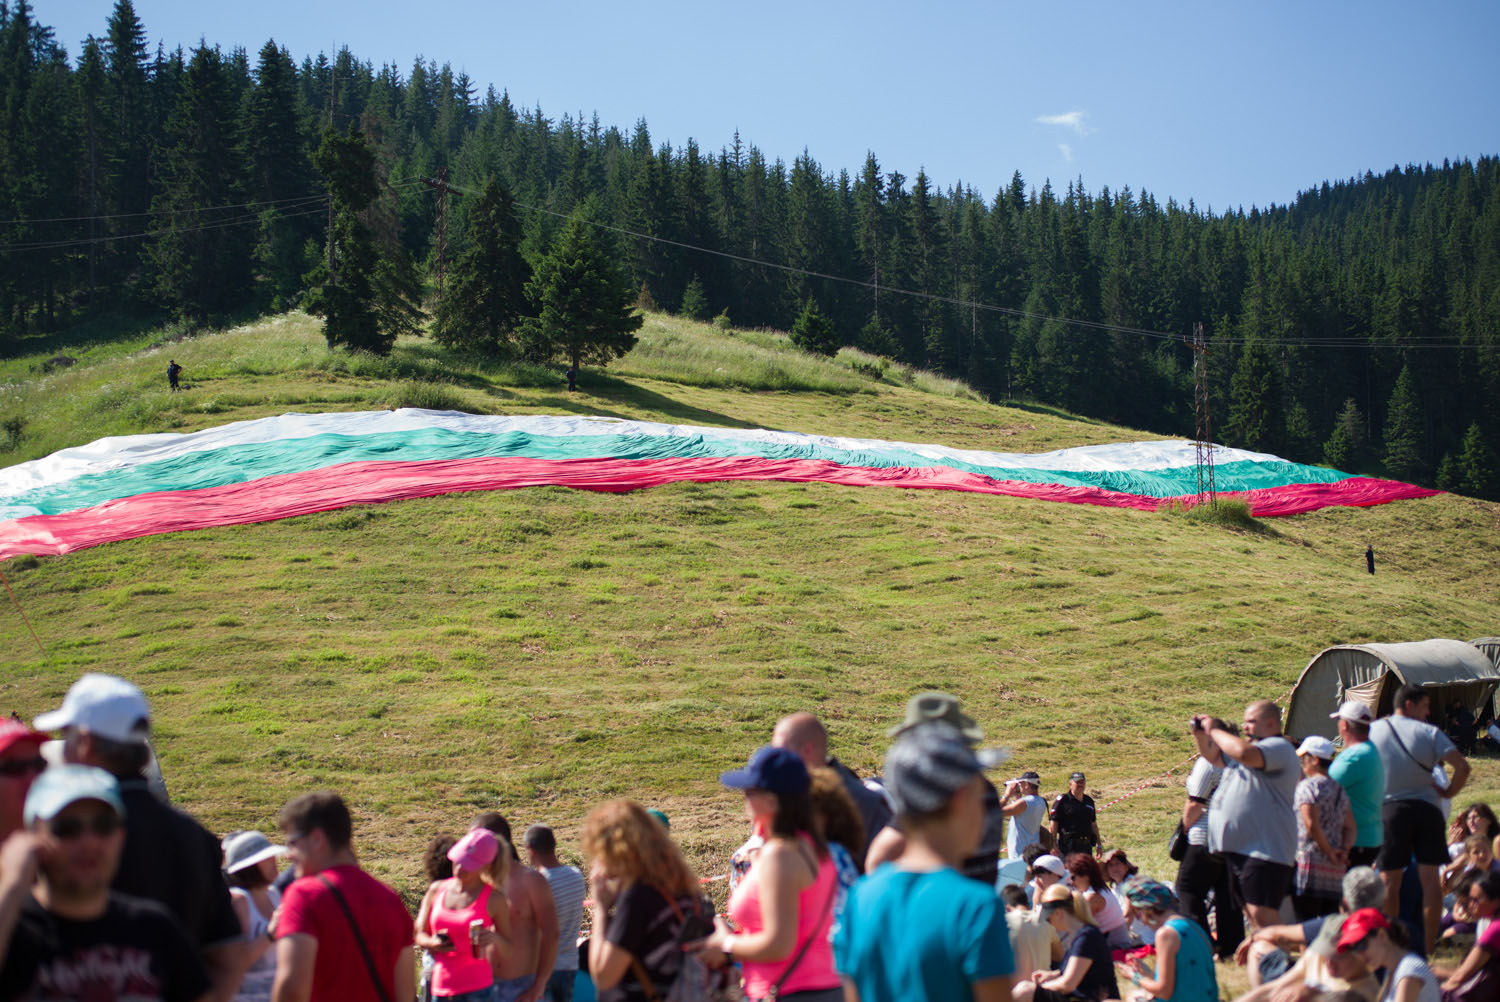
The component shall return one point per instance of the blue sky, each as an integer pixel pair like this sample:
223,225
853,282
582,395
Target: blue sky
1226,104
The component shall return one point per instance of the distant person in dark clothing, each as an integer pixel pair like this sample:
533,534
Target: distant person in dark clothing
1075,825
1370,558
168,857
572,375
174,371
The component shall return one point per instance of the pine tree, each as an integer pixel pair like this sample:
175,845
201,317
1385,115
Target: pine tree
278,172
1477,466
814,332
202,270
486,294
694,303
1256,410
1403,430
585,303
345,295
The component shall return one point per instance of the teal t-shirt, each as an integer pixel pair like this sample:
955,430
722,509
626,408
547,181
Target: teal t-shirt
1359,771
1197,980
910,937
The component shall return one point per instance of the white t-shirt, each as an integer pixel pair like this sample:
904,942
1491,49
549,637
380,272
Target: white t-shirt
1025,828
1413,966
1201,784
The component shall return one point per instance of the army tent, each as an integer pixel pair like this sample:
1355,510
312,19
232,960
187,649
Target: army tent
1451,670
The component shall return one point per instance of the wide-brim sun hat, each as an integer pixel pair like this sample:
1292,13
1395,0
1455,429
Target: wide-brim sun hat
932,707
930,763
246,849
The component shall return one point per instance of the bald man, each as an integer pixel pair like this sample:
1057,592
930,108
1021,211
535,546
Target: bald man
1251,819
805,734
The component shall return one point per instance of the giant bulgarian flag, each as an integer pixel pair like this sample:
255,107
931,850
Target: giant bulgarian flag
255,471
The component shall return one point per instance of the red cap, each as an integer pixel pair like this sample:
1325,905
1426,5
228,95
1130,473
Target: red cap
13,732
1359,925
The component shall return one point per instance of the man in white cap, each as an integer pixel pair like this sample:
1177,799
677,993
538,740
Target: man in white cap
63,933
1027,812
168,857
1359,771
918,929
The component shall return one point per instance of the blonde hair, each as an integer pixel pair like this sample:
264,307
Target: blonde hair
636,849
498,872
1062,894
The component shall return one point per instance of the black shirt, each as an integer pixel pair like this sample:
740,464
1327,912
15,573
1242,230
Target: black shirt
133,951
172,859
645,924
1074,817
874,812
1099,980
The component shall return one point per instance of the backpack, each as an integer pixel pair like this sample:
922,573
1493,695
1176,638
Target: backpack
694,981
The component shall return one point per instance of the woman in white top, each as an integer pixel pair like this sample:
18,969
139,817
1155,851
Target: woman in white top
1370,934
1088,879
250,867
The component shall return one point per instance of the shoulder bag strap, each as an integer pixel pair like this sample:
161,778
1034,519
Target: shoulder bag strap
833,891
645,979
1405,750
359,938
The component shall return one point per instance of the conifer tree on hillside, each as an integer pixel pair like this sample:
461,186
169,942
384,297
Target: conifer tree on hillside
814,332
1478,471
345,295
486,295
202,270
585,304
1403,430
1257,413
278,172
694,302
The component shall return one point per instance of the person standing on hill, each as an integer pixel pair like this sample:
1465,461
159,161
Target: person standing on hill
1075,822
523,970
1026,810
341,935
568,892
1359,771
168,857
805,734
174,372
1251,819
1412,817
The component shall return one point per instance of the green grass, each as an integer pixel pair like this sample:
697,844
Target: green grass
541,650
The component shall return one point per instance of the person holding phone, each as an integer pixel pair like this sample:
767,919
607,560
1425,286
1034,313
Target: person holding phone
463,917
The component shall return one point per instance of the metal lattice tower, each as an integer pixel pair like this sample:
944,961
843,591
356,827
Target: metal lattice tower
1203,439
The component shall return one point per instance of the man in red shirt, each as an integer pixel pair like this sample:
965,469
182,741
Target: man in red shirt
342,935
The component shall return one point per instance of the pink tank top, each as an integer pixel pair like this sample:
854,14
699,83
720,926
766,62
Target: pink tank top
815,971
457,970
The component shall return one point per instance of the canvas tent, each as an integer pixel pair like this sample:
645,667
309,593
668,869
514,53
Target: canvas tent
1490,648
1451,670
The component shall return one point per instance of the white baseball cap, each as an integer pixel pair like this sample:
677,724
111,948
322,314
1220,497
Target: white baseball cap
1317,747
1051,864
104,705
1353,711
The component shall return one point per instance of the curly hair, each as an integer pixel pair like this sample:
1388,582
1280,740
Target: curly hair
833,806
1081,864
435,862
636,849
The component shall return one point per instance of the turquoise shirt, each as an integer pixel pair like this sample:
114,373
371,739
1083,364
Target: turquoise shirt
921,937
1359,771
1196,979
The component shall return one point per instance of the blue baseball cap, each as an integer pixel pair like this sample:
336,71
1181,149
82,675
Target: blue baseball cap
775,770
61,786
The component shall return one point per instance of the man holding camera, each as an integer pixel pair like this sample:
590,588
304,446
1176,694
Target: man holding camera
1251,819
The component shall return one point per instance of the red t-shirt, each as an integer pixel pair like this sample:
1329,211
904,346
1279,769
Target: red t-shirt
340,973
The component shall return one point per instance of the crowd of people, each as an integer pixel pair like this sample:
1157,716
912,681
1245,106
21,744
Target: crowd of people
928,883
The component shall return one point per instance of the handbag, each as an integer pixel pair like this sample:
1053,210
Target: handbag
1177,844
364,951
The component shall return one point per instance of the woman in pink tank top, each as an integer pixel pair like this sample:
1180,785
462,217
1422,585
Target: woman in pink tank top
464,918
783,907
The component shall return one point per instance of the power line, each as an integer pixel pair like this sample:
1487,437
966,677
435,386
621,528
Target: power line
216,225
134,215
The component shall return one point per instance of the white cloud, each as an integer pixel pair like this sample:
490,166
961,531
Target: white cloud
1067,151
1074,120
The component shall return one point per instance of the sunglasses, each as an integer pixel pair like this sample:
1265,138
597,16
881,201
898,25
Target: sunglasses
67,829
23,766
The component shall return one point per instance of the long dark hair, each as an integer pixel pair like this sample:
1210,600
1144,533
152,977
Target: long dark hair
794,817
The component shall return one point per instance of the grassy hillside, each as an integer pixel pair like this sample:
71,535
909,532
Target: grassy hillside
540,650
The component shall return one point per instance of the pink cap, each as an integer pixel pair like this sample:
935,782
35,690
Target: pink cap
476,850
14,733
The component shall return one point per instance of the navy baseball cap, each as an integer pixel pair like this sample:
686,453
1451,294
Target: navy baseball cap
775,770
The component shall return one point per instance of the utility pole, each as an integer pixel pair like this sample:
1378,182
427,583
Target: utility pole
441,186
1203,440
